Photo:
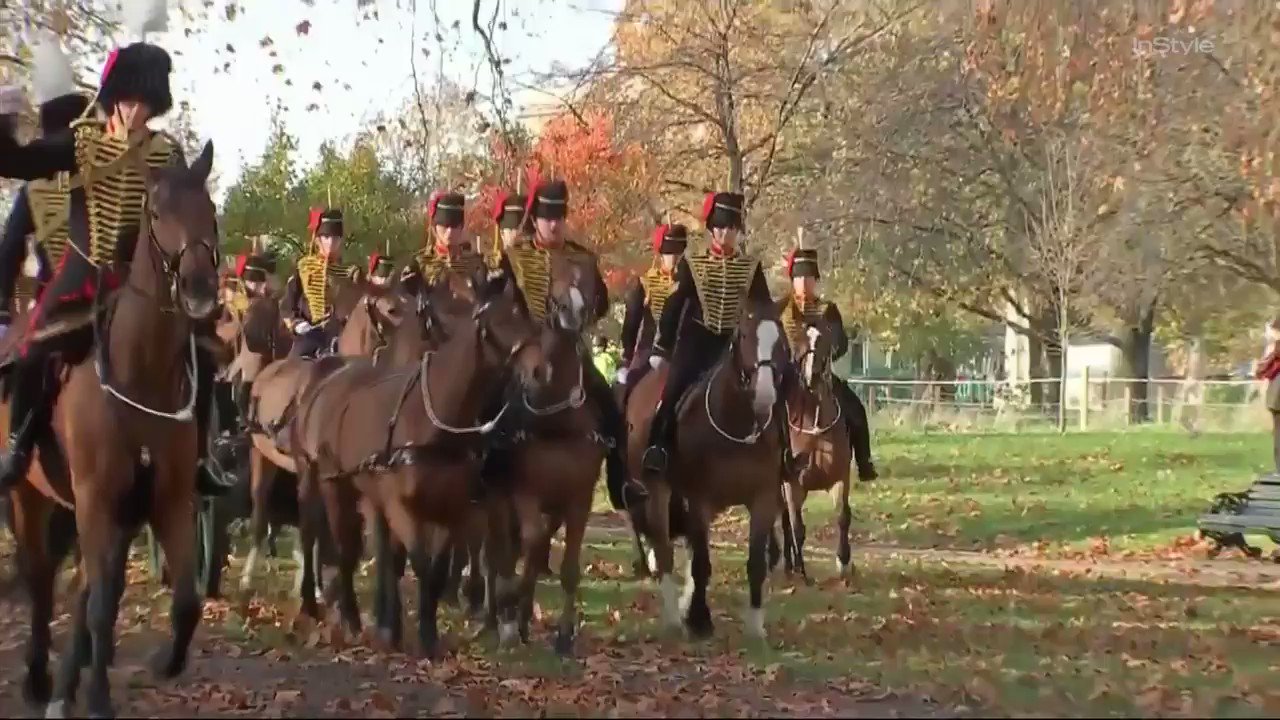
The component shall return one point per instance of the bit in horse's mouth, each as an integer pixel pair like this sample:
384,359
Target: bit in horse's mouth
199,308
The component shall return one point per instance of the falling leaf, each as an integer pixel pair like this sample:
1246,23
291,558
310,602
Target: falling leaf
303,28
317,86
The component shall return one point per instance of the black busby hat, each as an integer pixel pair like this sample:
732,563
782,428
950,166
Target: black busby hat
447,208
670,239
509,213
258,267
137,72
549,200
330,223
722,210
58,114
381,266
803,263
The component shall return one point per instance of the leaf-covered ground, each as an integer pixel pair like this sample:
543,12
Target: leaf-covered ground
1036,575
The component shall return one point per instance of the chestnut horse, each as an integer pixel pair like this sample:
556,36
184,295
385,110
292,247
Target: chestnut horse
820,435
555,463
126,423
407,440
729,454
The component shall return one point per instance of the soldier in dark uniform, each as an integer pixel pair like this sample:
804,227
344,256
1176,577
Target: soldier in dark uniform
56,115
645,299
803,306
101,154
309,294
447,247
528,264
698,333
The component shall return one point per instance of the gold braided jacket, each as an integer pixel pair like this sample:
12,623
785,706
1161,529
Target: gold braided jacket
532,267
797,314
115,192
317,275
431,265
658,285
722,284
50,201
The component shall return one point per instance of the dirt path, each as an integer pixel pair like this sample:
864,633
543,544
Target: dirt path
235,679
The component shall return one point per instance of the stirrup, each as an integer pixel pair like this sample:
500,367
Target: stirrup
655,459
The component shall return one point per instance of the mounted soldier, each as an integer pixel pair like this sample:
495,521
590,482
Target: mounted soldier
529,265
700,319
645,299
40,202
802,306
381,270
448,248
512,226
97,170
310,292
250,280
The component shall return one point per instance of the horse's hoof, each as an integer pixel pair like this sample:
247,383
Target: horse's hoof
388,639
669,588
700,627
564,644
166,665
845,568
36,690
754,623
508,635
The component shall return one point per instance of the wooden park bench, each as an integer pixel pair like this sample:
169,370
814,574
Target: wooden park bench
1257,511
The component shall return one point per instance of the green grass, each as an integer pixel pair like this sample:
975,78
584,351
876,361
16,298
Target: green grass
1140,490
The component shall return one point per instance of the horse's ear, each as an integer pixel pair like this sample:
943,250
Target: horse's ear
203,164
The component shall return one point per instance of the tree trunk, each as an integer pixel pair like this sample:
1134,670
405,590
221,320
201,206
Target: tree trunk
1135,354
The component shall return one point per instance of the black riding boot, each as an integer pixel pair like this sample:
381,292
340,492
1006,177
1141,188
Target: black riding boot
26,412
855,418
614,427
211,481
662,440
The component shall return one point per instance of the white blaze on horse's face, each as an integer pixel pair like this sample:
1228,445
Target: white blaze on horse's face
767,335
812,333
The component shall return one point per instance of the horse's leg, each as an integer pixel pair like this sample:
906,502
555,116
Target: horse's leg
535,536
658,517
341,501
307,530
105,554
763,514
643,566
431,560
775,549
575,527
501,550
261,477
31,514
795,495
698,617
457,554
844,552
475,588
78,653
386,608
173,521
788,533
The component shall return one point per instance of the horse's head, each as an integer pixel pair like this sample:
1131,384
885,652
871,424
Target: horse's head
508,335
759,357
570,295
815,355
183,231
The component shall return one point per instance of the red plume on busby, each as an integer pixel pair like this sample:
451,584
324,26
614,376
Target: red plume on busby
791,261
708,204
241,262
499,205
313,222
659,234
432,201
373,262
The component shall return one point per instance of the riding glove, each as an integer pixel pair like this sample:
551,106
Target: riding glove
621,377
657,362
302,327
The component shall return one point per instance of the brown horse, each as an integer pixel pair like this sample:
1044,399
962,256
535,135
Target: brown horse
407,440
554,465
819,434
126,422
729,455
273,400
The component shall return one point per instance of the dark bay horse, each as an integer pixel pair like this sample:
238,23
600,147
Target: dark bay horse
126,423
820,435
555,464
729,450
406,438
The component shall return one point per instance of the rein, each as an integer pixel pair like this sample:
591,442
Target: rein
102,362
817,417
757,429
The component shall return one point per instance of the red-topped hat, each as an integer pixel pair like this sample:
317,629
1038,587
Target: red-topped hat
241,262
670,239
659,234
708,204
499,205
313,222
373,262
